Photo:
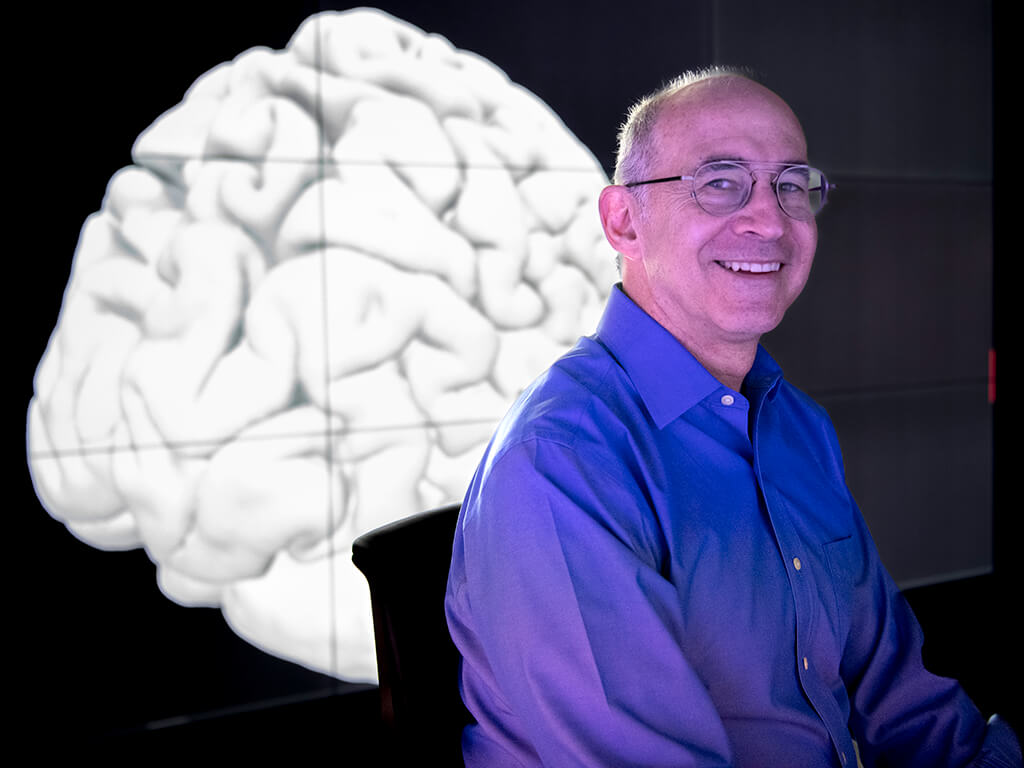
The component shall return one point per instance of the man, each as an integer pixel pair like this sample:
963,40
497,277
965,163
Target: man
658,562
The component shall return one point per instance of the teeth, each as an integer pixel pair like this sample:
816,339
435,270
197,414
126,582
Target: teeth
745,266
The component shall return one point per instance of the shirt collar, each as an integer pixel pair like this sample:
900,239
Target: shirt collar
668,378
764,377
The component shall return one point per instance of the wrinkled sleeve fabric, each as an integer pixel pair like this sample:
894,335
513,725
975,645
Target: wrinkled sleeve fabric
902,714
573,621
1001,748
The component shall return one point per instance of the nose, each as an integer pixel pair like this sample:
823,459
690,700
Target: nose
762,216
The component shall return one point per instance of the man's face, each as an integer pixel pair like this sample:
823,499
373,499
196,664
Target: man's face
693,272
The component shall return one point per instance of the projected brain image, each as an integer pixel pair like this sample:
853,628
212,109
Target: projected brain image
299,313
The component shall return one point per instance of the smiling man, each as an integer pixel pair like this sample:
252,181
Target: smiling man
713,257
658,562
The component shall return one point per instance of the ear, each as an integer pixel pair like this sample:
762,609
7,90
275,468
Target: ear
619,214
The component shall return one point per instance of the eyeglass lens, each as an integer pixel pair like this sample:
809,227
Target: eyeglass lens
722,188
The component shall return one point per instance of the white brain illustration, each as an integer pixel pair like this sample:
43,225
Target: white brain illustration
299,314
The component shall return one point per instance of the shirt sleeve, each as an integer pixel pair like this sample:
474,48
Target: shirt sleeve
576,629
1001,748
902,714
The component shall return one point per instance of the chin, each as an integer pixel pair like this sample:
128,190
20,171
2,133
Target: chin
751,326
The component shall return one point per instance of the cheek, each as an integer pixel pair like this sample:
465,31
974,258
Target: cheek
805,242
805,248
811,239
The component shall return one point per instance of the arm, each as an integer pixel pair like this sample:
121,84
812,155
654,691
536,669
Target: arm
573,623
901,714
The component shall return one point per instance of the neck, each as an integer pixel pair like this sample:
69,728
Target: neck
729,364
728,360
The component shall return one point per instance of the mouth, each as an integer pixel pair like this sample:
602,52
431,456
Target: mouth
754,267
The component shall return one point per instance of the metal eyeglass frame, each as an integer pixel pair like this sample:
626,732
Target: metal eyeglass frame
825,188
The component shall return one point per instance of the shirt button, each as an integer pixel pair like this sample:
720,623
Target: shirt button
728,399
805,662
797,564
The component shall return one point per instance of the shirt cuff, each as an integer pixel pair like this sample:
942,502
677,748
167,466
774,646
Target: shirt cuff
1001,748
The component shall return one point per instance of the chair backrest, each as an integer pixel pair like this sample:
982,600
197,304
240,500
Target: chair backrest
406,564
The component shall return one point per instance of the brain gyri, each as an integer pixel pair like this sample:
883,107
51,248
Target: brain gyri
299,314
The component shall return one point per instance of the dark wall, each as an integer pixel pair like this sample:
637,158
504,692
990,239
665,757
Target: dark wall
892,334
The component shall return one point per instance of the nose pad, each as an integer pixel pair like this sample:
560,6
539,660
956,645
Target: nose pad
769,182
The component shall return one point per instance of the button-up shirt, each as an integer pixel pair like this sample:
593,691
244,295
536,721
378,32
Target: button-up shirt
652,569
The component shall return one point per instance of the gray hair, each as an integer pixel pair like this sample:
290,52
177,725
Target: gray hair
635,156
636,150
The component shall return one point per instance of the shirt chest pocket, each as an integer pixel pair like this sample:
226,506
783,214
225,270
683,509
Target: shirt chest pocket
843,559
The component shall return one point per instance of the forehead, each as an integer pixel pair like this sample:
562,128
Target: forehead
727,118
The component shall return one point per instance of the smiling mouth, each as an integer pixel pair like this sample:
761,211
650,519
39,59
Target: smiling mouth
751,266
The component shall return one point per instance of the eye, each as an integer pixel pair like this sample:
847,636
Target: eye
790,187
723,183
722,178
794,181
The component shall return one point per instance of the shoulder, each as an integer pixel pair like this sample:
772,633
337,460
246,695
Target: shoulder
582,402
799,434
792,397
570,440
564,464
805,415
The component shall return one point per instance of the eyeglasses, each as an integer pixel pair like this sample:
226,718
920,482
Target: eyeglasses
722,187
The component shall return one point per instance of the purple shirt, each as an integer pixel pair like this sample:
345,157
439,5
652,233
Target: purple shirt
651,569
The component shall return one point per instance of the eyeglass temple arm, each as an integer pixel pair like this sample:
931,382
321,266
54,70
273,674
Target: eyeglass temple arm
656,181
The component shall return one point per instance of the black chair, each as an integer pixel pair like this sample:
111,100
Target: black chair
406,564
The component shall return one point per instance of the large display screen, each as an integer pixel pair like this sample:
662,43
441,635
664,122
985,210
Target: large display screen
299,314
335,243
